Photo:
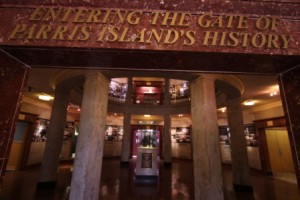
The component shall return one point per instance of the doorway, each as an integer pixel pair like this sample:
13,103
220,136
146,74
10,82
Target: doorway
279,150
18,145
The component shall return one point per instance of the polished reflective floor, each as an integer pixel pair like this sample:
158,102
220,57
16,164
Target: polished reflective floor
118,182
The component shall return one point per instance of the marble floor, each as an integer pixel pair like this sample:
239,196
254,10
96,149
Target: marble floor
118,182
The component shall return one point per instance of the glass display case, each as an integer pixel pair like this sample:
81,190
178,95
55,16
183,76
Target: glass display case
147,141
147,138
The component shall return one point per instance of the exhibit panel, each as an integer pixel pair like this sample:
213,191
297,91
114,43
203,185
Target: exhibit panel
113,141
39,139
252,145
181,142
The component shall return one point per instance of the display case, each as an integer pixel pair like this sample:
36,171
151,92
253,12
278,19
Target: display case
147,138
147,152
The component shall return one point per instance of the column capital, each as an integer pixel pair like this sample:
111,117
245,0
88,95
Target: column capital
97,73
211,77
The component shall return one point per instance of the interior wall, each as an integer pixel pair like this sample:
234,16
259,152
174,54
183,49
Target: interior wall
222,121
114,120
269,113
44,111
251,115
181,122
181,150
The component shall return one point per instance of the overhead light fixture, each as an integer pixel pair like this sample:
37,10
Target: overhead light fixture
223,110
249,103
45,97
273,93
147,115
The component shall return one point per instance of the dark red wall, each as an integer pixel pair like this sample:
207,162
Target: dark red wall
13,77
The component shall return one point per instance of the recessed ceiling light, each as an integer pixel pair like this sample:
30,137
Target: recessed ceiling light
273,93
45,97
222,109
249,103
147,115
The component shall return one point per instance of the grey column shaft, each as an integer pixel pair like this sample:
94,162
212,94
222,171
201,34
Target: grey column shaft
126,138
54,135
86,177
129,91
240,166
208,184
167,98
167,140
127,124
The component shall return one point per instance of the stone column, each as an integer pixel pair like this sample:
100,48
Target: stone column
129,91
208,183
127,126
126,138
86,177
167,151
167,141
289,83
54,136
240,165
167,98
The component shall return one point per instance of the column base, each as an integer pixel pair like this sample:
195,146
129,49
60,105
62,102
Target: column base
243,188
141,180
124,164
269,173
46,185
167,164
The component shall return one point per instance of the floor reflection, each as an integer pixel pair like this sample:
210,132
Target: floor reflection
117,182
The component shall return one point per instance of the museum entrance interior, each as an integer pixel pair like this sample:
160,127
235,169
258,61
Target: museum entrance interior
148,104
146,95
